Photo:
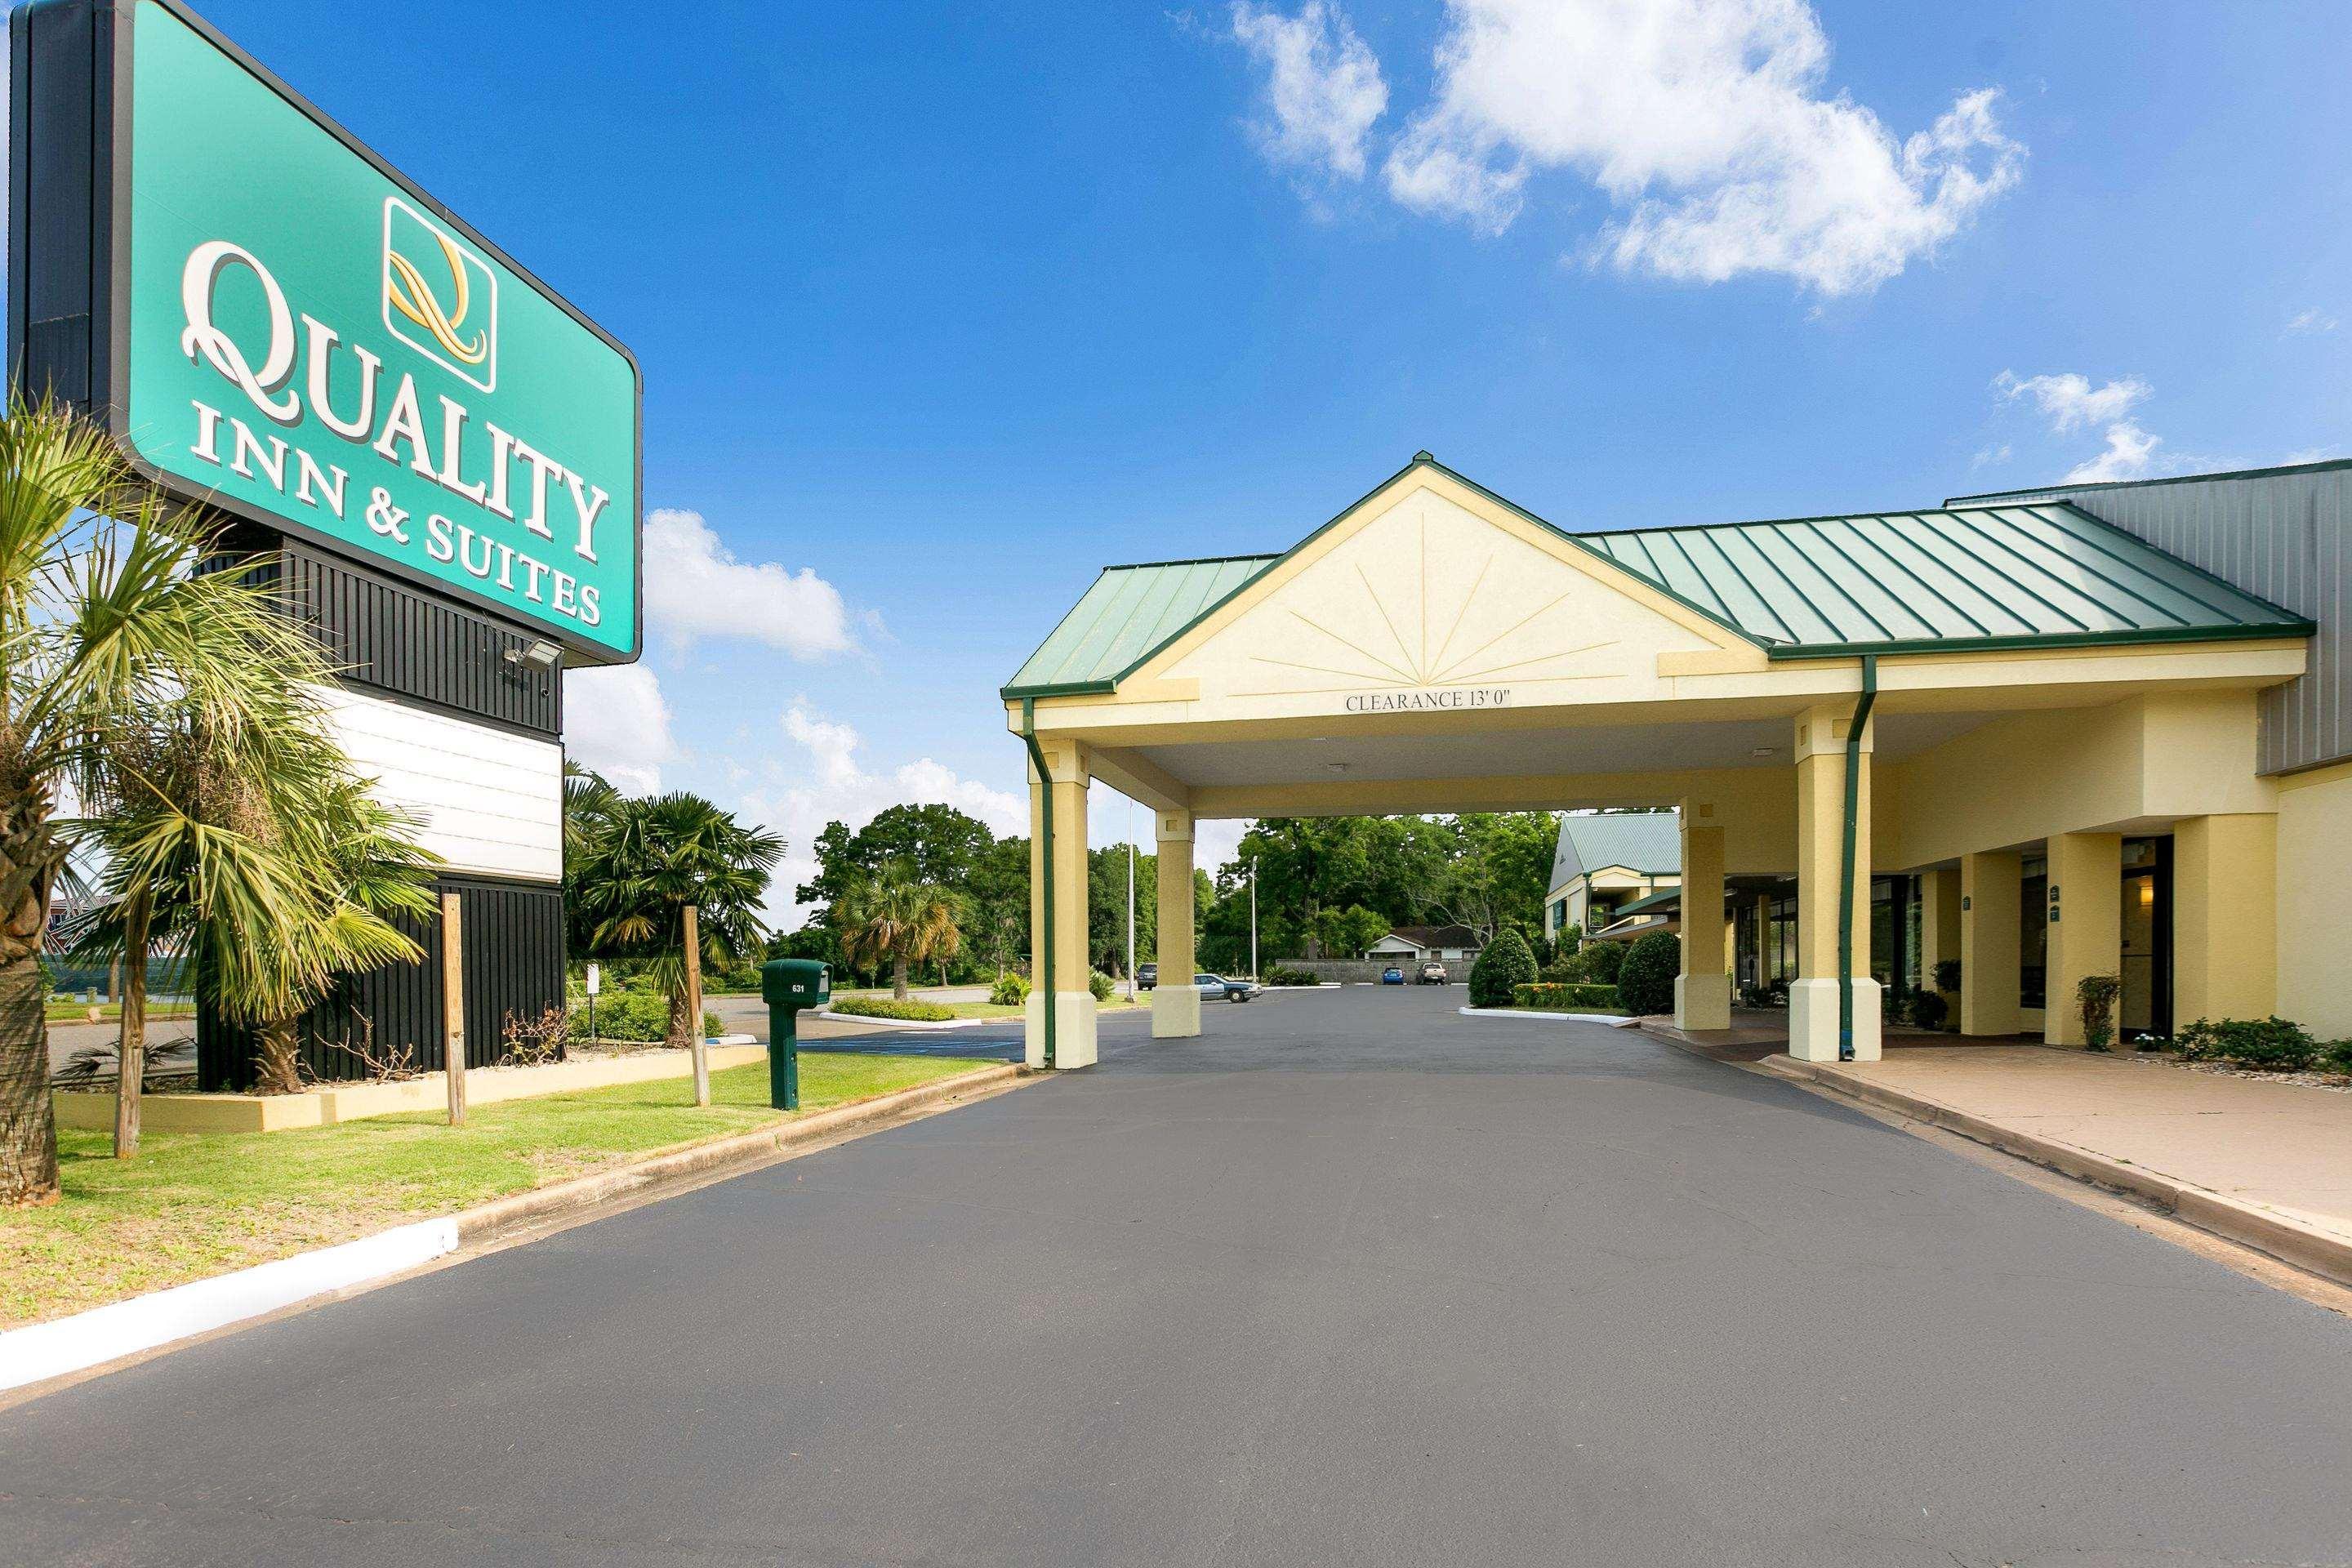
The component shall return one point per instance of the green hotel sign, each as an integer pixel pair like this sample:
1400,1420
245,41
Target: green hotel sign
279,324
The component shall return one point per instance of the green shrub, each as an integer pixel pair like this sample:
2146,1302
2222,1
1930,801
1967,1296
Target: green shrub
1548,996
1567,968
1278,975
2272,1043
1646,985
1948,975
1011,990
1928,1010
641,1017
1600,963
2094,997
1504,966
889,1007
1100,984
2337,1057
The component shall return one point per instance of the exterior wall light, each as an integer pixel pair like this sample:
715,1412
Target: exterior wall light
539,654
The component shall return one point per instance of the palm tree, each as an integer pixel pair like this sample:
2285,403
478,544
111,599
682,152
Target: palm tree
894,918
358,872
641,861
105,621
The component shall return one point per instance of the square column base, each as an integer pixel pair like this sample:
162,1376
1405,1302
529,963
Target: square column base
1074,1030
1814,1020
1702,1001
1175,1012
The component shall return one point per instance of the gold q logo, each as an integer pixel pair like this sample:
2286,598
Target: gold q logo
440,298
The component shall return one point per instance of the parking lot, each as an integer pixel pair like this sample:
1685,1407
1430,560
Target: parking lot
1348,1278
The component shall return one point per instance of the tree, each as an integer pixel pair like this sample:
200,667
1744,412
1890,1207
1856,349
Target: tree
997,901
104,621
259,853
1646,984
645,862
357,871
897,919
1344,933
1106,906
1503,966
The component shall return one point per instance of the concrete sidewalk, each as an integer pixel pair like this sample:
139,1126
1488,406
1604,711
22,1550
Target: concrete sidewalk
2268,1164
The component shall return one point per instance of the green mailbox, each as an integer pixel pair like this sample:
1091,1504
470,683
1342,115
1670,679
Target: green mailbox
787,985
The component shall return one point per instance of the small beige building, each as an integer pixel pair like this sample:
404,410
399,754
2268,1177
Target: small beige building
2045,736
1605,861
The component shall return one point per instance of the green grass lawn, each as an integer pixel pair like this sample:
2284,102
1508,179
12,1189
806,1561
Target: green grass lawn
195,1205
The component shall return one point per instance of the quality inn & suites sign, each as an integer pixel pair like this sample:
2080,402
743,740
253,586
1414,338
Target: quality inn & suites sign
276,323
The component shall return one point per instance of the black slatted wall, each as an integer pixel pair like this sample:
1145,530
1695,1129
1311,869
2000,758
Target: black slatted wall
382,635
513,934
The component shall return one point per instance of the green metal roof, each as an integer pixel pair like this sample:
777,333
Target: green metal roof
2026,575
1637,840
1125,617
1994,577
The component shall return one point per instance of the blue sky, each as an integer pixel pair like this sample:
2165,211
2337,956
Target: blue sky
939,306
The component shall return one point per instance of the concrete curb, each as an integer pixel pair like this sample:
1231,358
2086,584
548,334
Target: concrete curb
119,1330
2282,1235
1613,1020
879,1022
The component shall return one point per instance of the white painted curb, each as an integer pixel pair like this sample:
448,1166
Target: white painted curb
900,1023
1612,1019
106,1333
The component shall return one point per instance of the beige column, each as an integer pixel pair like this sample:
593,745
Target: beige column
1990,952
2224,918
1813,1028
1175,1005
1939,927
1702,991
2085,915
1065,883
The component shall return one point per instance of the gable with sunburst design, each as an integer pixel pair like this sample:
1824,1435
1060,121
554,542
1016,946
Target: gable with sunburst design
1431,596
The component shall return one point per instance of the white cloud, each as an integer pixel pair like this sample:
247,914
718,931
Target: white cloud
1323,86
2312,322
1705,122
836,787
2071,403
695,587
616,722
2130,452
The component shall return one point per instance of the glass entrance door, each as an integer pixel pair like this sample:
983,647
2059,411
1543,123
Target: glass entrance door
2147,1001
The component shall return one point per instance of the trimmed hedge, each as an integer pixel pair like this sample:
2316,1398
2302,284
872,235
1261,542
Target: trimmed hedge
890,1007
1278,975
1569,996
1506,965
1646,985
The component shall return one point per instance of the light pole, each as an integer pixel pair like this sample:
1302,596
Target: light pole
1253,919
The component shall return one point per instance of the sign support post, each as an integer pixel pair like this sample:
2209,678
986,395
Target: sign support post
452,1005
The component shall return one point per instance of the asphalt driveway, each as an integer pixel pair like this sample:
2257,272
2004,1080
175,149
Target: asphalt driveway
1349,1279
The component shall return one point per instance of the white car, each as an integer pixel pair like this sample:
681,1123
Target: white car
1210,985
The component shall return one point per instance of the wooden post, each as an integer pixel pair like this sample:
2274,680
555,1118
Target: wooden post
453,1007
130,1047
694,1005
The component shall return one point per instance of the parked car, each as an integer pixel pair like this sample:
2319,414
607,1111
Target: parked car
1392,975
1147,975
1432,972
1212,985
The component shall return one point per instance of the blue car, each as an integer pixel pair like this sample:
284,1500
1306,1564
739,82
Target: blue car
1392,975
